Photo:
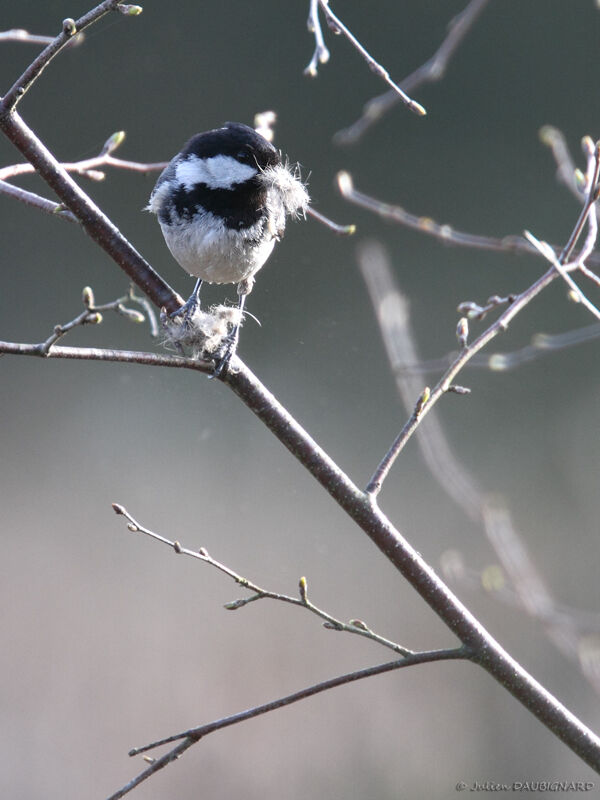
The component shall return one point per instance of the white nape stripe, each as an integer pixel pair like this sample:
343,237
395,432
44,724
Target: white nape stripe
218,172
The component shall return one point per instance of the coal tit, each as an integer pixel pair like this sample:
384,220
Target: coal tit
222,204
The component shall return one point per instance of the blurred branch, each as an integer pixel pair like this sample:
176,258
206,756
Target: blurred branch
321,53
354,626
429,72
541,343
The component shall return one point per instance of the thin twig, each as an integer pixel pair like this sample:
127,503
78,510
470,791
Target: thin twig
443,232
193,735
343,230
321,53
88,167
429,72
21,35
563,270
37,201
380,474
70,28
338,26
331,623
566,170
92,315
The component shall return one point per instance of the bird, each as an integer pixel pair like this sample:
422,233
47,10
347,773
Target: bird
222,204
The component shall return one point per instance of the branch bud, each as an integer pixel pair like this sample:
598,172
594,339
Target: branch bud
344,182
132,314
422,401
470,309
235,604
114,141
303,587
129,10
462,331
69,27
587,145
87,295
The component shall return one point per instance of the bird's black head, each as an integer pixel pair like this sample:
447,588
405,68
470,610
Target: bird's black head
236,140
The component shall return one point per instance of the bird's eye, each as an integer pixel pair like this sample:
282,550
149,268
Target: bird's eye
243,155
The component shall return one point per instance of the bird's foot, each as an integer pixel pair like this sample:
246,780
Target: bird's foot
230,343
192,304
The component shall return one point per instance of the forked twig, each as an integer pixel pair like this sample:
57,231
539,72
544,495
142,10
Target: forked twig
188,738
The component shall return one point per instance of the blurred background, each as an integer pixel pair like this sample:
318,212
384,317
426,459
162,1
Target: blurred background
108,641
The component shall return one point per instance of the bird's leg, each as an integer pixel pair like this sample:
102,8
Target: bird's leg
191,305
230,342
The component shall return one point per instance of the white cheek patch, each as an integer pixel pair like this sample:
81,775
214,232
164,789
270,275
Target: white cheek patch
218,172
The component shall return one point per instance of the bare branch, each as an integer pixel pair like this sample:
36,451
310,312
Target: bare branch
70,28
429,72
354,626
20,35
36,201
566,169
444,232
193,735
563,270
321,53
89,167
380,474
93,316
104,354
343,230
